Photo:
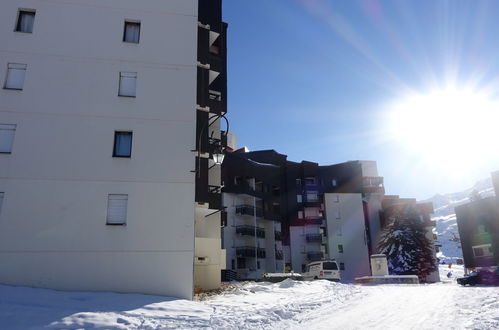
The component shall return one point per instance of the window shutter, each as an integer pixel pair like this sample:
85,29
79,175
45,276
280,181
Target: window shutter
128,84
117,209
7,133
15,76
1,201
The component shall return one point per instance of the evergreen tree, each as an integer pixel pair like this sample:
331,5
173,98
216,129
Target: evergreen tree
406,246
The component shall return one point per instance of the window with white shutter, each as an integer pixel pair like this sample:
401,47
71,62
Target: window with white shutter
15,76
128,84
117,209
1,201
7,133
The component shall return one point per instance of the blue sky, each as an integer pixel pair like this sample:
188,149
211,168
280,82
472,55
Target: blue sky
318,79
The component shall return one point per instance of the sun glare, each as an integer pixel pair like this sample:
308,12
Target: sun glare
452,129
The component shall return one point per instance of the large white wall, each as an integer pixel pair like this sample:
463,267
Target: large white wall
349,231
53,229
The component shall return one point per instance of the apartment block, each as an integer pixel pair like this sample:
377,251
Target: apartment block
252,233
109,115
478,224
315,204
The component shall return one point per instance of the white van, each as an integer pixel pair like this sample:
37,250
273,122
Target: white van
323,270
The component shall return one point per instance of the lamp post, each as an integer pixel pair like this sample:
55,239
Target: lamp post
217,152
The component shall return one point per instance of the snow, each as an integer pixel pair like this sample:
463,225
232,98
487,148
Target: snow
285,305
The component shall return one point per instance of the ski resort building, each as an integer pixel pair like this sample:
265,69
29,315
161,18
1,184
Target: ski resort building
252,235
109,131
317,212
478,224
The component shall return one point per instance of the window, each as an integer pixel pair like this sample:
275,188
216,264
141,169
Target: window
15,76
310,181
128,84
1,201
25,21
298,182
6,137
339,231
342,266
300,214
122,144
336,198
117,209
312,196
340,248
334,183
484,250
132,32
298,198
338,215
258,264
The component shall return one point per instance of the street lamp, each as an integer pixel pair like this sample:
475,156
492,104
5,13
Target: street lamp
216,150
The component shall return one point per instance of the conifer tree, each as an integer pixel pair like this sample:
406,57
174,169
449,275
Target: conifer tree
406,246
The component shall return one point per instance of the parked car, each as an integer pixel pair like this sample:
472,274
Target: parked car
324,269
482,276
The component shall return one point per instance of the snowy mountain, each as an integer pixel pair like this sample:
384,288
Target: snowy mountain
446,229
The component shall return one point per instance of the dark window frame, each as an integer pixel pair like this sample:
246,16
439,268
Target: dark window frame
116,133
131,22
20,13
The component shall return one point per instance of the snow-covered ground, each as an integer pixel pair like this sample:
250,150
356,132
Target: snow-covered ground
289,304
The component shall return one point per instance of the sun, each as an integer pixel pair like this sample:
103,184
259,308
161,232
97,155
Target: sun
451,129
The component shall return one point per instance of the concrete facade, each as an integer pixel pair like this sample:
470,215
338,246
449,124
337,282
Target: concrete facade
346,230
61,168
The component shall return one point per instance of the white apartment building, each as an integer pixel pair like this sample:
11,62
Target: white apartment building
99,116
252,235
346,234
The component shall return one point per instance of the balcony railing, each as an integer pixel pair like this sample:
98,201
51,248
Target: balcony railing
315,255
250,231
250,252
314,220
249,210
313,238
279,255
373,184
278,236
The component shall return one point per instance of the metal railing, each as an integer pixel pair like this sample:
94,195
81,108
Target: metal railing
245,209
248,230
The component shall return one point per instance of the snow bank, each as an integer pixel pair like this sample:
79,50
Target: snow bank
286,305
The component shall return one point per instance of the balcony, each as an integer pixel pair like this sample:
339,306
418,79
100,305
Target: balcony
246,230
279,255
242,187
314,220
315,255
373,185
250,210
313,238
250,252
278,236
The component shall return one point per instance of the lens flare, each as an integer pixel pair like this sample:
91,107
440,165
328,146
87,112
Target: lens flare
452,129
